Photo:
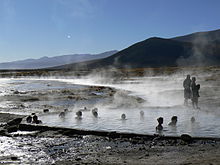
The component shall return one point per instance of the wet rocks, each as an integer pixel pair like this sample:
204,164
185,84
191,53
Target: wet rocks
186,138
15,121
11,129
14,158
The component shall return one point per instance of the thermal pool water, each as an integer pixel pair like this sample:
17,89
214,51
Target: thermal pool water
163,95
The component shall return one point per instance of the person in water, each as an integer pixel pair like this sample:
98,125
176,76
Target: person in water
160,122
173,121
195,96
123,116
187,90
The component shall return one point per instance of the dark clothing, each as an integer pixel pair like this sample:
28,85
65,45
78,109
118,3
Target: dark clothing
187,90
195,94
193,86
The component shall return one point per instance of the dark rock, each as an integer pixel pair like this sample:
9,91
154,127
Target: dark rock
78,159
11,129
14,158
16,121
186,138
2,132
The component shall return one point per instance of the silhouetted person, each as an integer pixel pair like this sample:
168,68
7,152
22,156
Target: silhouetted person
123,116
193,83
29,119
79,114
193,119
173,121
62,114
35,120
160,122
187,90
142,113
94,112
46,110
195,96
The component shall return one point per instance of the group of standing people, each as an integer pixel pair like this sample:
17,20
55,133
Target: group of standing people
191,91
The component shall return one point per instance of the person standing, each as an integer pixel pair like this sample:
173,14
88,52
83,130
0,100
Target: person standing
187,89
195,93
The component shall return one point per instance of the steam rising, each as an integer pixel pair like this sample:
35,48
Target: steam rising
200,54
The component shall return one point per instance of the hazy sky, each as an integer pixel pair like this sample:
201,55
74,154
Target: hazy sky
36,28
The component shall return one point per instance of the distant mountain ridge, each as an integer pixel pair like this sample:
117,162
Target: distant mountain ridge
197,49
46,62
208,36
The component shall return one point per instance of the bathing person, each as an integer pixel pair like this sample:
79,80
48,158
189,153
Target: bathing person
123,116
173,121
62,114
195,96
160,122
46,110
29,119
35,120
193,119
94,112
187,91
95,109
79,114
142,113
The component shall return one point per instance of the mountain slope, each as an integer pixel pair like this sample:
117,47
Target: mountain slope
45,62
206,37
197,49
153,52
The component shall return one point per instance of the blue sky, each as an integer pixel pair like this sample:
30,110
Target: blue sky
36,28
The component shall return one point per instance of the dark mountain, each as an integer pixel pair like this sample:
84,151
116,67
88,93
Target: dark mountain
204,37
153,52
46,62
197,49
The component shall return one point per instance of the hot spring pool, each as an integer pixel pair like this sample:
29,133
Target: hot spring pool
163,95
205,125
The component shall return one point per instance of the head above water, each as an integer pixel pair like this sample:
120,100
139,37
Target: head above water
198,86
79,113
193,119
95,113
123,116
188,76
174,119
160,120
